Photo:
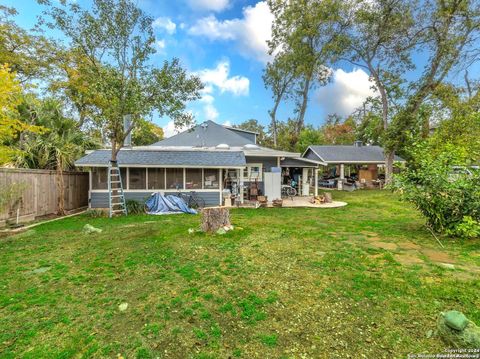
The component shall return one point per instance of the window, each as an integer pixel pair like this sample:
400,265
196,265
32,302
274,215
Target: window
99,178
210,179
156,178
137,178
174,178
193,178
253,172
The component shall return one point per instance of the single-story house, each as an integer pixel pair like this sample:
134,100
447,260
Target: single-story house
208,159
364,162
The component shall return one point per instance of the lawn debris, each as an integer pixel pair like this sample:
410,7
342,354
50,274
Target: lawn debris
89,229
456,330
123,307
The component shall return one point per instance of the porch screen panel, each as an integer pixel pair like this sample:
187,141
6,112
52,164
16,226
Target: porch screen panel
210,179
137,178
193,178
174,178
156,178
99,178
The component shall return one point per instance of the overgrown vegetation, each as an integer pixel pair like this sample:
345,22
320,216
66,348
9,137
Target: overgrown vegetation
445,189
365,280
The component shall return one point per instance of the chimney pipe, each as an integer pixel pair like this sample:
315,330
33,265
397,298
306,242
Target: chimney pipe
127,122
358,143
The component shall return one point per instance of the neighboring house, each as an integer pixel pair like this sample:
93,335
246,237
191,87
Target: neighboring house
207,159
364,160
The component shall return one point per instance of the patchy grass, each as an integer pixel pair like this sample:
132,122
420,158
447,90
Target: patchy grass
366,280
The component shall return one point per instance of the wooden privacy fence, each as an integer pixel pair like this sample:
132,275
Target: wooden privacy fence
36,193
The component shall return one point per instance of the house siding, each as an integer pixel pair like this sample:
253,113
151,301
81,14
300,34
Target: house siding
100,199
249,136
267,162
311,156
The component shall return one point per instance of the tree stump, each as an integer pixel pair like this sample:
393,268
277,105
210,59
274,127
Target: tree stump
214,218
328,197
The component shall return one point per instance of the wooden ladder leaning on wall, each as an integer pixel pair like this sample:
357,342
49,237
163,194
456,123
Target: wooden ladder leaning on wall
116,197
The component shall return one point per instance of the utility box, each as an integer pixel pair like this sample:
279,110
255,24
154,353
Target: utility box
272,182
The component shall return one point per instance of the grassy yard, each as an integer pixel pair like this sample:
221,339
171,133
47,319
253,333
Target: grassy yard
366,280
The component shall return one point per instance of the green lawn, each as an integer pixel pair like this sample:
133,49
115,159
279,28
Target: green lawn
366,280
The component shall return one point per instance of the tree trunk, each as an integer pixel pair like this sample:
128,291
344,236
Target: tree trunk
303,107
389,157
61,189
215,218
273,115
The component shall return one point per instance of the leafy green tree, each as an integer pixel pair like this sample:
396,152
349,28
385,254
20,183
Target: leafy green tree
117,40
30,56
11,124
309,33
146,133
279,76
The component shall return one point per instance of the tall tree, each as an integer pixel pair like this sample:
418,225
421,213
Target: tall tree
29,55
11,125
383,38
311,32
279,76
117,39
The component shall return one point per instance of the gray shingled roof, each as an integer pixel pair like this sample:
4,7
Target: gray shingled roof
346,154
207,134
166,158
297,162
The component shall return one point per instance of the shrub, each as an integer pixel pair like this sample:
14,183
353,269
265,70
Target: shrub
135,207
449,201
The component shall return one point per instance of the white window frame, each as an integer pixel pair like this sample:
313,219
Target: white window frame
249,172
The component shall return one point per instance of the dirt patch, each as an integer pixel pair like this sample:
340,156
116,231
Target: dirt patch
408,245
437,256
384,245
408,259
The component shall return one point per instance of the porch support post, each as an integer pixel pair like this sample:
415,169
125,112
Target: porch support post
242,185
342,176
316,180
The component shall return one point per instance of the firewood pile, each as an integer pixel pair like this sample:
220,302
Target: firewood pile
323,198
277,202
263,201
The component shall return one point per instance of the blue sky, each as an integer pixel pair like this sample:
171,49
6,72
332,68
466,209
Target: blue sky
223,41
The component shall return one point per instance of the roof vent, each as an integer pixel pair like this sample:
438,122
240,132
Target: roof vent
358,143
222,146
251,146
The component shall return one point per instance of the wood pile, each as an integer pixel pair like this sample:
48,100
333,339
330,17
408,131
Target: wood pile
263,201
214,218
277,202
323,198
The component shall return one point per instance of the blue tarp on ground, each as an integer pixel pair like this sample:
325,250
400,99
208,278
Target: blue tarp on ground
160,204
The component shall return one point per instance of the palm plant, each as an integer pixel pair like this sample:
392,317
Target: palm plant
58,148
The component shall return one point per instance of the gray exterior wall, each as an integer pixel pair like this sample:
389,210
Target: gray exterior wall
311,156
249,136
267,162
100,199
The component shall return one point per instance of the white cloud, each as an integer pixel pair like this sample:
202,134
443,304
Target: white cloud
251,32
209,109
160,45
346,92
166,24
218,77
209,5
169,129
